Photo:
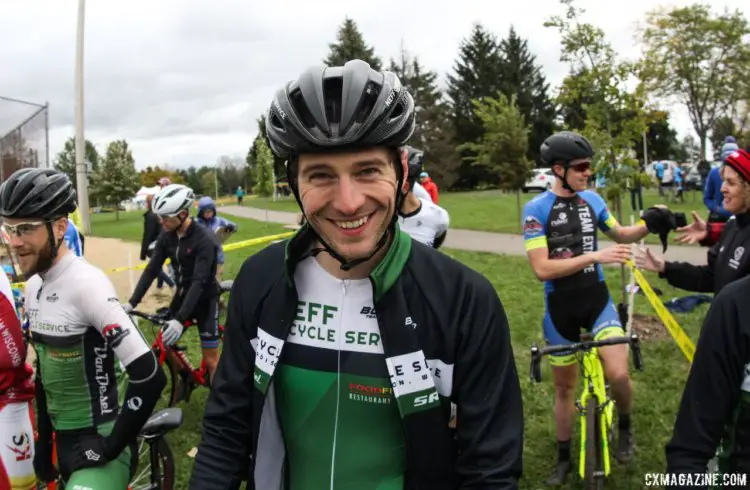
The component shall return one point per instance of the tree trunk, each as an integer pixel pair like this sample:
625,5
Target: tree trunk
519,210
117,212
703,134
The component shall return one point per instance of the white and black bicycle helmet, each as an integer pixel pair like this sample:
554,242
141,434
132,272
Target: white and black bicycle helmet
173,199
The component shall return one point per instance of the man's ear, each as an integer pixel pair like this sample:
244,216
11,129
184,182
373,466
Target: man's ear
60,227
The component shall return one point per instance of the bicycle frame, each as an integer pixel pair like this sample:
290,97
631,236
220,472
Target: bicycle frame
595,385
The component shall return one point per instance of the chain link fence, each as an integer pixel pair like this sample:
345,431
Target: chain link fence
24,127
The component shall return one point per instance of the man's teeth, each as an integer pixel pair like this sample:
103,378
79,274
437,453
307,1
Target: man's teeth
351,224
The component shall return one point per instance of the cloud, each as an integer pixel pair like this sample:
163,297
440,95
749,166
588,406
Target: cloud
184,81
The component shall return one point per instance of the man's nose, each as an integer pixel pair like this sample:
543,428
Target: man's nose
348,196
15,240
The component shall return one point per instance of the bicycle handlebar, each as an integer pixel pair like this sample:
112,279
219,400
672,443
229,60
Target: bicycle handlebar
537,353
158,319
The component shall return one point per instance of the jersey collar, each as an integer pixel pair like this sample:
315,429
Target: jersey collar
383,276
59,268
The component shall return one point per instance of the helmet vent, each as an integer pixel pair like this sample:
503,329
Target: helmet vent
332,88
300,108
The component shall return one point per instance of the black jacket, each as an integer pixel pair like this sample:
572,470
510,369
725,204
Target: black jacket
458,320
728,260
715,405
194,259
151,230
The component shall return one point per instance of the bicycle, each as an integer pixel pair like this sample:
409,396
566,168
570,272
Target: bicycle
183,376
160,472
595,406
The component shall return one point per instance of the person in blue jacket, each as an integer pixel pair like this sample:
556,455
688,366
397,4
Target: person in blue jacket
207,217
73,239
712,192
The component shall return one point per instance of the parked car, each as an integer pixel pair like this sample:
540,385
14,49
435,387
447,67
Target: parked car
541,180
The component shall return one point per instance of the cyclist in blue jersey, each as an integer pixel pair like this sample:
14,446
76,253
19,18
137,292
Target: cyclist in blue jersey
560,234
73,239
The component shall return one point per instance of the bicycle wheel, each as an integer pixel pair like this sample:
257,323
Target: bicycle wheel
164,474
593,478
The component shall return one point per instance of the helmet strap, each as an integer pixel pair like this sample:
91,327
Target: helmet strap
54,246
564,178
347,265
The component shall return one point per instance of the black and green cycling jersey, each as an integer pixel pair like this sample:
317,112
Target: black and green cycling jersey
340,420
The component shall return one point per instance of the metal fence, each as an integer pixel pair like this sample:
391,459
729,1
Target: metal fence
24,127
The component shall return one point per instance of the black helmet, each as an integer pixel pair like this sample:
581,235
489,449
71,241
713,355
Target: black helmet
562,147
414,165
37,193
346,107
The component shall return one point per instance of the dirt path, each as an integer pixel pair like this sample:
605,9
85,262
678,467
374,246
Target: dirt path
110,253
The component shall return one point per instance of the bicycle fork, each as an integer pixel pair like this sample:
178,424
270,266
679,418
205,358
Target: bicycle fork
598,388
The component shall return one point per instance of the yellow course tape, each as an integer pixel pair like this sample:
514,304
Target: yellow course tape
678,334
227,248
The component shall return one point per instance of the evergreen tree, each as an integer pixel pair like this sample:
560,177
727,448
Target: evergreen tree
116,179
65,161
264,170
350,45
522,77
476,74
661,140
433,133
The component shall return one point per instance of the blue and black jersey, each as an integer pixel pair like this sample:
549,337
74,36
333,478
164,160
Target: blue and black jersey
567,226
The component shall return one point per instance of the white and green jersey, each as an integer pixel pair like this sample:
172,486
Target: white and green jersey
80,331
338,414
426,223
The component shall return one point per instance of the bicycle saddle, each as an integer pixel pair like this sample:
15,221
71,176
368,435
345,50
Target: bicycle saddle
162,422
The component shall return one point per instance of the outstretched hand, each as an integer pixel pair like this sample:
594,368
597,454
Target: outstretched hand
694,232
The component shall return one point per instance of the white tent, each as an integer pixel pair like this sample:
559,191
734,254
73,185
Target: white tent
140,196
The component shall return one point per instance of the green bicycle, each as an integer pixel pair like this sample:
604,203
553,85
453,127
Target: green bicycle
595,406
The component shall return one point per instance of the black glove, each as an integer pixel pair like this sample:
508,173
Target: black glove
43,468
230,228
86,451
661,221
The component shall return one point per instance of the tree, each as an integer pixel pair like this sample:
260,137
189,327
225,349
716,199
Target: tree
350,45
661,139
65,161
476,75
433,133
697,58
505,143
116,178
264,171
231,173
520,75
604,79
149,177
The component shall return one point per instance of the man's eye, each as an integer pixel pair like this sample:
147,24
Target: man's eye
319,176
369,172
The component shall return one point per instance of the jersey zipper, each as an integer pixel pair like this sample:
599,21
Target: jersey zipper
338,383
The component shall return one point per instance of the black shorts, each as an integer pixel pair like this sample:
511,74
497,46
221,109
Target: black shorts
206,316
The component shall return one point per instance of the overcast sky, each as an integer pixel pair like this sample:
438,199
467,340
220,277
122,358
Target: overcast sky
184,80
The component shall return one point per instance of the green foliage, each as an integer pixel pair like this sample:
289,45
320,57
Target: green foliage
505,142
116,178
699,59
602,82
350,45
661,140
522,76
264,185
477,73
433,133
65,161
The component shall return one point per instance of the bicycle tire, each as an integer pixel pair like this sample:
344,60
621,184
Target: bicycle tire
593,453
167,466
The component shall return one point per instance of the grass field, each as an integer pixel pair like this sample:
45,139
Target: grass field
496,211
657,389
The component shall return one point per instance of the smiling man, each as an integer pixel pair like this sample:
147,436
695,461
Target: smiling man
346,344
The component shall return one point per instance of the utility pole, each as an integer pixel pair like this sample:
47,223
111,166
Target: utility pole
81,171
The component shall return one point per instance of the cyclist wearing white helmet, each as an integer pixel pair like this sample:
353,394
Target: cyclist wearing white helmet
422,219
192,249
346,344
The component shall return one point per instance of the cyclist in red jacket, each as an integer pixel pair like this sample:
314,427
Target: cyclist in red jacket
429,186
16,395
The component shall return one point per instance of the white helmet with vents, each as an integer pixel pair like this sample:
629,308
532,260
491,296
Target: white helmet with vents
172,199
